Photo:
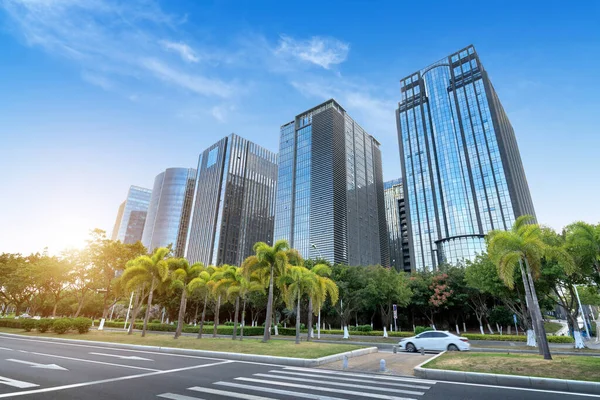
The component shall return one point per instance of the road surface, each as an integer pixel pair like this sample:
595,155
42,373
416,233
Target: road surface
40,369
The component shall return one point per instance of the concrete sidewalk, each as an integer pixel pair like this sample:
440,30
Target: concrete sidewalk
402,364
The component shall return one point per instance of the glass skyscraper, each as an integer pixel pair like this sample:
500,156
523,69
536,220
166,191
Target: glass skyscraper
169,212
132,215
330,188
460,161
397,225
234,202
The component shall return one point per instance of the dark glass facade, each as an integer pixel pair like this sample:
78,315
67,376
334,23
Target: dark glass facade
330,188
461,166
132,215
397,225
169,212
234,202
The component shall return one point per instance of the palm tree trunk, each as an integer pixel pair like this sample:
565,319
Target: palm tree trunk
530,307
298,320
216,319
319,325
136,309
310,319
235,318
203,315
243,319
267,333
540,320
182,306
148,307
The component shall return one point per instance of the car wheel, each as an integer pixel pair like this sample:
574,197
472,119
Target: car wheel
410,348
453,347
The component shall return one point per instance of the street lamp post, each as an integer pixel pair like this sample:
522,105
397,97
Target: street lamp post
314,246
128,309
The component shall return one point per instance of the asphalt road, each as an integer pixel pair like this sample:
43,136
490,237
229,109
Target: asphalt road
40,369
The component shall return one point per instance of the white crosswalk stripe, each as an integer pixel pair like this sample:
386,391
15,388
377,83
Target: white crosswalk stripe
340,378
314,384
323,389
343,384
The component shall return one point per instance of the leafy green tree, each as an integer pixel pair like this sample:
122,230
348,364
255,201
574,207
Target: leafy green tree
386,287
325,288
202,284
16,286
296,283
273,259
583,243
182,274
219,284
52,275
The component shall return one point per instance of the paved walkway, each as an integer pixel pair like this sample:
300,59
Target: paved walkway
396,364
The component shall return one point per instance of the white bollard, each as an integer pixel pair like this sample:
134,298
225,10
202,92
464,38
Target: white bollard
385,334
346,334
382,365
345,363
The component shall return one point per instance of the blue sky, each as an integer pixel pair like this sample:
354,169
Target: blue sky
96,95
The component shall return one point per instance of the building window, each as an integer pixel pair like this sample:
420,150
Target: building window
212,157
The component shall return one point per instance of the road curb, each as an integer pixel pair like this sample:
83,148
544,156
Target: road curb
527,382
289,361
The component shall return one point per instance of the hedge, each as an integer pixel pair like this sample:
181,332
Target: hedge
62,325
82,325
28,324
10,323
515,338
44,325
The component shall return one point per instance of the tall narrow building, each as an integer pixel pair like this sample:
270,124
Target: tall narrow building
460,161
397,225
168,217
234,202
131,217
330,189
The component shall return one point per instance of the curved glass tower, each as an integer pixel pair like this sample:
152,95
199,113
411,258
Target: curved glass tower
461,165
169,211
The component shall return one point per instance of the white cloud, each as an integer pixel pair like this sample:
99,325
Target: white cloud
185,51
321,51
98,80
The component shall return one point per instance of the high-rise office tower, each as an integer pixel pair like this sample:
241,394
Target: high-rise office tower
330,188
397,225
234,202
461,165
169,212
132,215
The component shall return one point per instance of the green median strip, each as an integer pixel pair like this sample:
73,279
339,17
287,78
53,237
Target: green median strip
560,367
279,348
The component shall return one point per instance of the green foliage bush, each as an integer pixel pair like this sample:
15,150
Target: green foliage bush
515,338
62,325
82,325
156,321
28,324
361,328
421,329
228,323
11,323
44,325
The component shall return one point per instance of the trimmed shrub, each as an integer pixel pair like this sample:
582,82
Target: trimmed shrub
361,328
155,321
11,323
421,329
62,325
515,338
228,323
44,325
28,324
82,325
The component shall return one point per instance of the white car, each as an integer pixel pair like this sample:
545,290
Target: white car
435,340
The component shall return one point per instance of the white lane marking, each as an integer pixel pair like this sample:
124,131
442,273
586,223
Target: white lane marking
277,391
165,353
121,378
122,357
522,389
229,394
15,383
339,378
343,384
90,361
174,396
323,389
370,376
6,348
38,365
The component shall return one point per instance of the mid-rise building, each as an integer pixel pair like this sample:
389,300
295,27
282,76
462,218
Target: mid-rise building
234,202
461,166
330,188
168,217
131,217
397,225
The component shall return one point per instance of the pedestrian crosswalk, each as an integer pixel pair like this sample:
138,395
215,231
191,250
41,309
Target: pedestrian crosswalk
307,383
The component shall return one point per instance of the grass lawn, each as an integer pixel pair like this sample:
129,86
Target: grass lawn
552,327
281,348
561,367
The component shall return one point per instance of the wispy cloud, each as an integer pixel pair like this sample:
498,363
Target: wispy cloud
322,51
98,80
185,51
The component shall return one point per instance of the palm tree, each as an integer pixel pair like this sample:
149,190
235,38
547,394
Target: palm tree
138,283
218,286
273,259
229,283
325,287
298,281
182,274
583,240
153,269
522,245
202,283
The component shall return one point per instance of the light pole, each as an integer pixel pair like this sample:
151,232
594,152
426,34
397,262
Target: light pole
582,314
314,246
128,308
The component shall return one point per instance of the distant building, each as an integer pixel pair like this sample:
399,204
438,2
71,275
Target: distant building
330,188
168,217
131,216
461,166
234,202
397,225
